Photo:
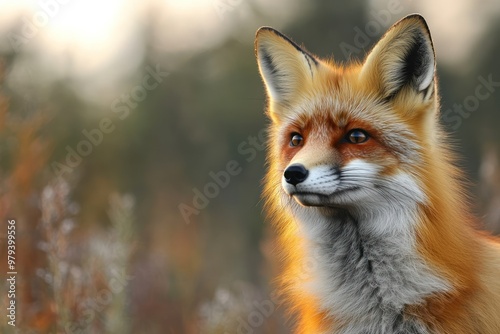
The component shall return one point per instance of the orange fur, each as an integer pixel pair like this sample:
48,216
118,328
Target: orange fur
446,237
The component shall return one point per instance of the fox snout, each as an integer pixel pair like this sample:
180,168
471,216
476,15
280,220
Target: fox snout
310,186
295,174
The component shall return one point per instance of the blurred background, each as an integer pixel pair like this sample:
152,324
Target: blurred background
131,152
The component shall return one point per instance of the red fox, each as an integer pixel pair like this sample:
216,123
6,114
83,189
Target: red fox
375,229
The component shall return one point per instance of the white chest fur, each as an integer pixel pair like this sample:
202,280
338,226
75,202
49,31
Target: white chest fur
364,275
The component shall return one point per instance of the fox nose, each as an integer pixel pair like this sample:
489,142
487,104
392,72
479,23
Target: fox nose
296,174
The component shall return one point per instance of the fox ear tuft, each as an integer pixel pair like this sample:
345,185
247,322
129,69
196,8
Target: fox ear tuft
283,65
404,57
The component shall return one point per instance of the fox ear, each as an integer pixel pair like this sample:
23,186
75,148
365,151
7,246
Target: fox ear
283,65
404,57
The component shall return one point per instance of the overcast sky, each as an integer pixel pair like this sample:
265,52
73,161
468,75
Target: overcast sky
85,38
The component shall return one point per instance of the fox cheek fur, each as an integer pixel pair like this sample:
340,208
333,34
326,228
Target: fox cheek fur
374,227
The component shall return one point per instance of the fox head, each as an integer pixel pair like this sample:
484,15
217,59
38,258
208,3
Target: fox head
355,135
372,219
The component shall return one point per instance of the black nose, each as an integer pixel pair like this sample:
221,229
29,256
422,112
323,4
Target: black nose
296,174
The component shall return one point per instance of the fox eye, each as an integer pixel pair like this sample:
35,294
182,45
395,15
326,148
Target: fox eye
296,139
357,136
